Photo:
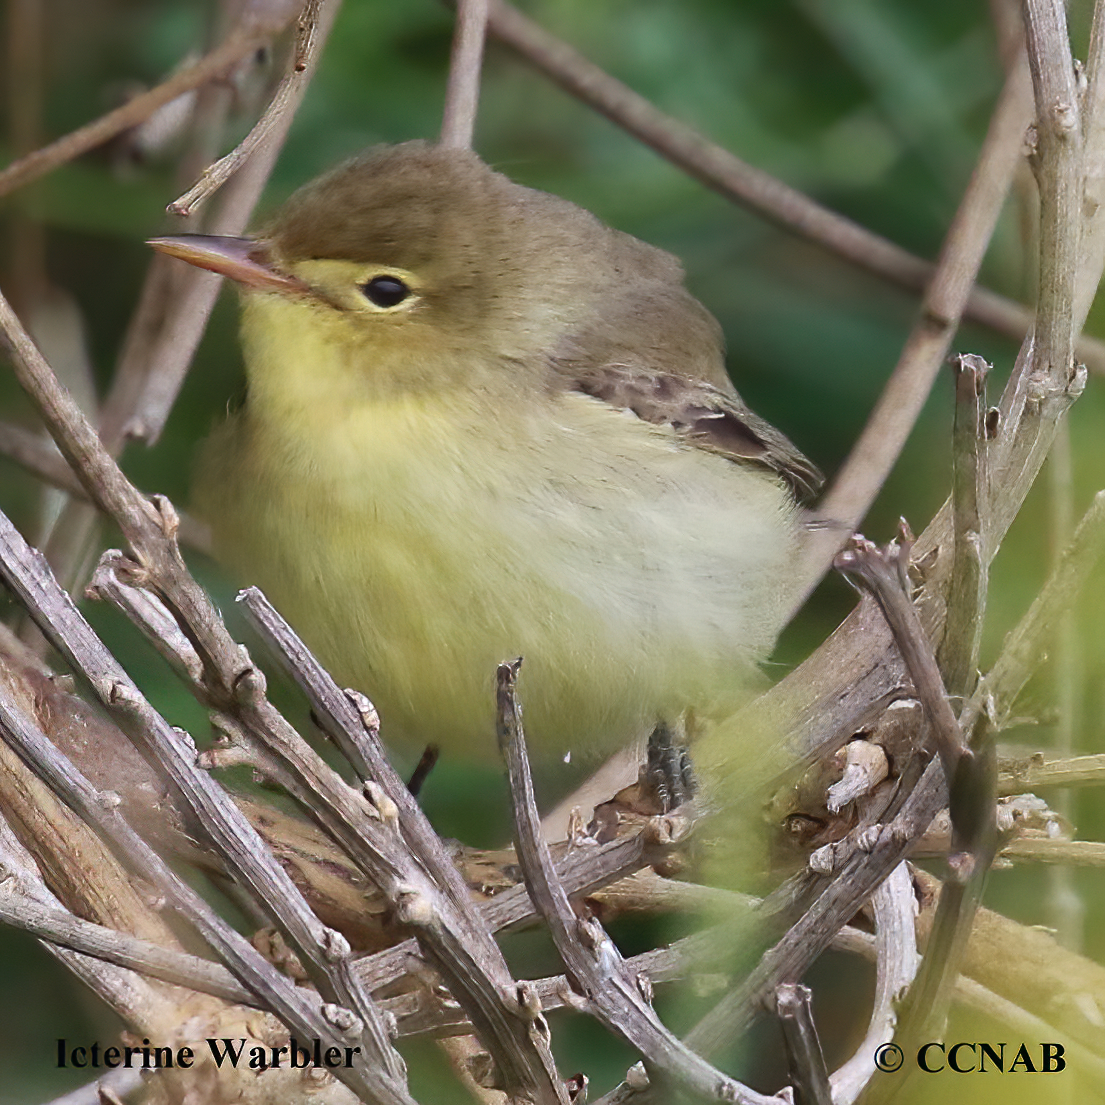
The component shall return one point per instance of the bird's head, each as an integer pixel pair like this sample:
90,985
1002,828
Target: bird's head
425,249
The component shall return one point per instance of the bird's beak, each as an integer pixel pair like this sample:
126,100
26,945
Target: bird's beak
242,259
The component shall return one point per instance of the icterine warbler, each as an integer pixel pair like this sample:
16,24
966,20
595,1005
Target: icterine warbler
480,424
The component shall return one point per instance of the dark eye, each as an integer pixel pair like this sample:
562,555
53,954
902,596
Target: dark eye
385,291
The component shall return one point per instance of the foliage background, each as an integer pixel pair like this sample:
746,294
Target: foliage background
874,107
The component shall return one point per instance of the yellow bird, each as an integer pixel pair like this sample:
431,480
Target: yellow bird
481,424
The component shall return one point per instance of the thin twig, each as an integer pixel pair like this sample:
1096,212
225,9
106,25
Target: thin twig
1026,645
61,927
1027,972
847,683
883,848
970,776
1077,853
1093,169
165,284
149,533
1065,907
39,457
454,938
977,998
959,648
241,41
1059,175
285,101
975,842
809,1077
459,941
1037,772
158,626
462,91
871,458
376,1084
172,354
881,571
83,870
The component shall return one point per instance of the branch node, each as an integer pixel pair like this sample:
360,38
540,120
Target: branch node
529,1000
381,805
414,907
249,686
335,947
344,1020
370,719
1065,117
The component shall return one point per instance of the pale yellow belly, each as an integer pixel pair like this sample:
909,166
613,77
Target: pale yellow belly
635,583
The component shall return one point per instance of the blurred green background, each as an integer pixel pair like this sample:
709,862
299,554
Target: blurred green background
874,107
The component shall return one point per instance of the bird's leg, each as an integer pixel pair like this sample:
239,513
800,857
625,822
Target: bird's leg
667,779
665,783
423,768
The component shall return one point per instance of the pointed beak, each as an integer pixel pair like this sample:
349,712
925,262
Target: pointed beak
242,259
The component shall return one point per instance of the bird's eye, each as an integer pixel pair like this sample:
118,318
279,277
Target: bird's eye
385,291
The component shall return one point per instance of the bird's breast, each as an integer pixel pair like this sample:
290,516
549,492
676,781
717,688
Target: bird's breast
418,543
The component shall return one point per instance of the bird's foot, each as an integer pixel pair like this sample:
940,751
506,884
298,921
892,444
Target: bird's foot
665,783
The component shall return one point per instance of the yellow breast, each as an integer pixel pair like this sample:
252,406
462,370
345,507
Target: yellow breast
418,541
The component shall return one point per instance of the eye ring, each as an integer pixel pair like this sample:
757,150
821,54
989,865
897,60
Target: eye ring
385,291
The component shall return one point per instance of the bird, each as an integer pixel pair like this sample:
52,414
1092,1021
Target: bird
481,424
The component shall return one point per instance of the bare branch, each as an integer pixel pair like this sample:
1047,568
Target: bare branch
462,92
809,1077
61,927
1065,908
1025,646
878,852
970,776
375,1083
974,996
1026,966
39,457
83,871
1039,772
234,686
1059,175
246,854
875,452
310,38
958,653
596,972
1093,151
242,41
159,627
1077,853
180,335
882,572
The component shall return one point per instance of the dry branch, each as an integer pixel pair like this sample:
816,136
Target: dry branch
946,297
261,24
596,972
462,92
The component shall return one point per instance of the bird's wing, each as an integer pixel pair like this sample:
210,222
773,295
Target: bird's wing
708,416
